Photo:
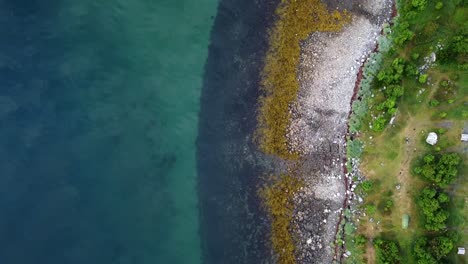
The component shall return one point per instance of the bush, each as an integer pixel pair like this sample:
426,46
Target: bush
370,208
444,84
423,78
354,148
388,205
349,228
360,240
434,103
379,124
439,5
366,186
441,131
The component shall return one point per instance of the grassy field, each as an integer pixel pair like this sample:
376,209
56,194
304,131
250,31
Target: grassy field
439,104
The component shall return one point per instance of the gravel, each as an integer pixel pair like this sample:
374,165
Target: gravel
328,71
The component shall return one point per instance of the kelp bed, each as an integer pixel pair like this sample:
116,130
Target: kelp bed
296,20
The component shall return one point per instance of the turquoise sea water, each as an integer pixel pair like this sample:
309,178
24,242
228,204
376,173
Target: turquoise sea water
99,105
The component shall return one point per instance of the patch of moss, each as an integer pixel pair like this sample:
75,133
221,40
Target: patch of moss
278,199
296,21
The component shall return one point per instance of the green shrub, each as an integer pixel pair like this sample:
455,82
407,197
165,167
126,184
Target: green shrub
439,5
354,148
366,186
434,103
441,131
388,205
444,84
423,78
349,228
379,124
371,208
360,240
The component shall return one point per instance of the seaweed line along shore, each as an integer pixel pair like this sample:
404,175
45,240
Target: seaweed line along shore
327,73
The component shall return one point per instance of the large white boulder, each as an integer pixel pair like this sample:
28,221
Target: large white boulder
431,138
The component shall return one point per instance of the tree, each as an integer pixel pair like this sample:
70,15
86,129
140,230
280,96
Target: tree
421,253
411,70
439,169
431,251
419,4
441,246
430,203
387,251
394,91
402,33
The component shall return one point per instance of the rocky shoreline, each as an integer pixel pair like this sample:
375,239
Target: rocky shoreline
328,71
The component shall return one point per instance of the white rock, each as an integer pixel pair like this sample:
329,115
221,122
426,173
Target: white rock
431,138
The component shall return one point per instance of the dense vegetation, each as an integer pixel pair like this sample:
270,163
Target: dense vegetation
418,23
439,169
419,77
387,251
431,202
278,198
296,21
432,250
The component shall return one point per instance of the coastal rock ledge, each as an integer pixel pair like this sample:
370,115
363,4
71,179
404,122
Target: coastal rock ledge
327,74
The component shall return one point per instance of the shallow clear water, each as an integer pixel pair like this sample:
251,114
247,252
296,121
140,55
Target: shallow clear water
99,105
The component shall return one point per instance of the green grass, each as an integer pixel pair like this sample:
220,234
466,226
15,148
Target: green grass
387,154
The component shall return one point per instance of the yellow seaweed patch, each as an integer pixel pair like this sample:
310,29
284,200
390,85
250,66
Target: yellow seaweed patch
296,21
278,199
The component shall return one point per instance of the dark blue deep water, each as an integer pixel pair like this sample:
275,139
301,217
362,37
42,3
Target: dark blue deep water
126,131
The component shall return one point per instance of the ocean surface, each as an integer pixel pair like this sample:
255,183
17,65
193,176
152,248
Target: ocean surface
126,131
